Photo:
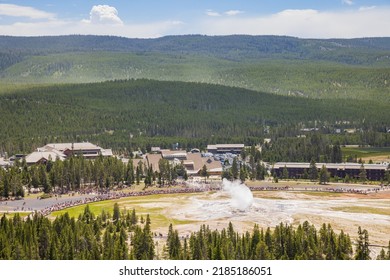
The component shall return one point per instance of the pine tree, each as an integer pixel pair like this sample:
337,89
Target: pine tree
44,180
134,219
260,172
116,214
235,169
173,244
6,185
204,173
313,172
324,175
362,174
362,248
149,244
138,175
252,173
337,156
285,173
242,174
129,175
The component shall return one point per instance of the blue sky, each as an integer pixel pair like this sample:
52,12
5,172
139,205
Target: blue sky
155,18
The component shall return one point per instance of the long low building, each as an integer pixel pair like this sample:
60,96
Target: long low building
374,172
86,149
61,151
225,148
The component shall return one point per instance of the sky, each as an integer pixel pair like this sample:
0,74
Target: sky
157,18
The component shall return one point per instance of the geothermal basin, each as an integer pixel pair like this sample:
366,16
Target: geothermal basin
237,204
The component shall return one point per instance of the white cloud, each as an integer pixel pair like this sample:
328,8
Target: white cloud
233,12
366,8
348,2
104,14
101,22
24,11
211,13
306,24
351,23
60,27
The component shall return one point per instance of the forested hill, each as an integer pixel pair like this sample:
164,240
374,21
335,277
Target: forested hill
237,47
356,68
119,114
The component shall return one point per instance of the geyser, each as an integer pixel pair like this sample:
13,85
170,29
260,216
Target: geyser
241,195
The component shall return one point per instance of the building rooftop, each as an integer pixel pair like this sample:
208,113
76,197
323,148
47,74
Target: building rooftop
153,160
106,152
226,146
72,146
35,157
168,154
347,165
193,162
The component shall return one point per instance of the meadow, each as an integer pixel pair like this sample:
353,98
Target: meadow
376,154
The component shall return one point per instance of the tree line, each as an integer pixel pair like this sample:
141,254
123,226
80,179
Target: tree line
120,235
80,174
106,173
313,146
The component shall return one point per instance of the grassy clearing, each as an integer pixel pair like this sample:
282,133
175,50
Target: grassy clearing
143,205
33,195
323,194
367,153
360,209
11,215
268,195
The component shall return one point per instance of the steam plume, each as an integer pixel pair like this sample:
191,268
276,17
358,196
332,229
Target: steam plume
241,195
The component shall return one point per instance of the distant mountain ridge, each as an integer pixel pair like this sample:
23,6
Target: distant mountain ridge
247,46
318,68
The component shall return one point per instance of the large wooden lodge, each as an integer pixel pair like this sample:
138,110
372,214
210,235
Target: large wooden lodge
296,170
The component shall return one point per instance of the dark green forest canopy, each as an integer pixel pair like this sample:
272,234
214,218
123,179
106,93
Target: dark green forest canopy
105,238
117,112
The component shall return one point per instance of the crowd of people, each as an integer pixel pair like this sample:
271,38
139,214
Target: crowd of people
112,195
322,189
268,188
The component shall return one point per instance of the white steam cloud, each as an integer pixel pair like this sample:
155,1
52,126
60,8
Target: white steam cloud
241,195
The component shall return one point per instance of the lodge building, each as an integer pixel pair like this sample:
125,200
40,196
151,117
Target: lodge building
61,151
296,170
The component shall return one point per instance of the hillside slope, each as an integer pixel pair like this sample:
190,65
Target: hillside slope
356,68
120,113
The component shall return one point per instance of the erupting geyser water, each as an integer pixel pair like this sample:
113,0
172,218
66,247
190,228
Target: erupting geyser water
241,195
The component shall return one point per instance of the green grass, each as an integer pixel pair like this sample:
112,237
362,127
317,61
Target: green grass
360,209
366,153
323,194
143,205
11,215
